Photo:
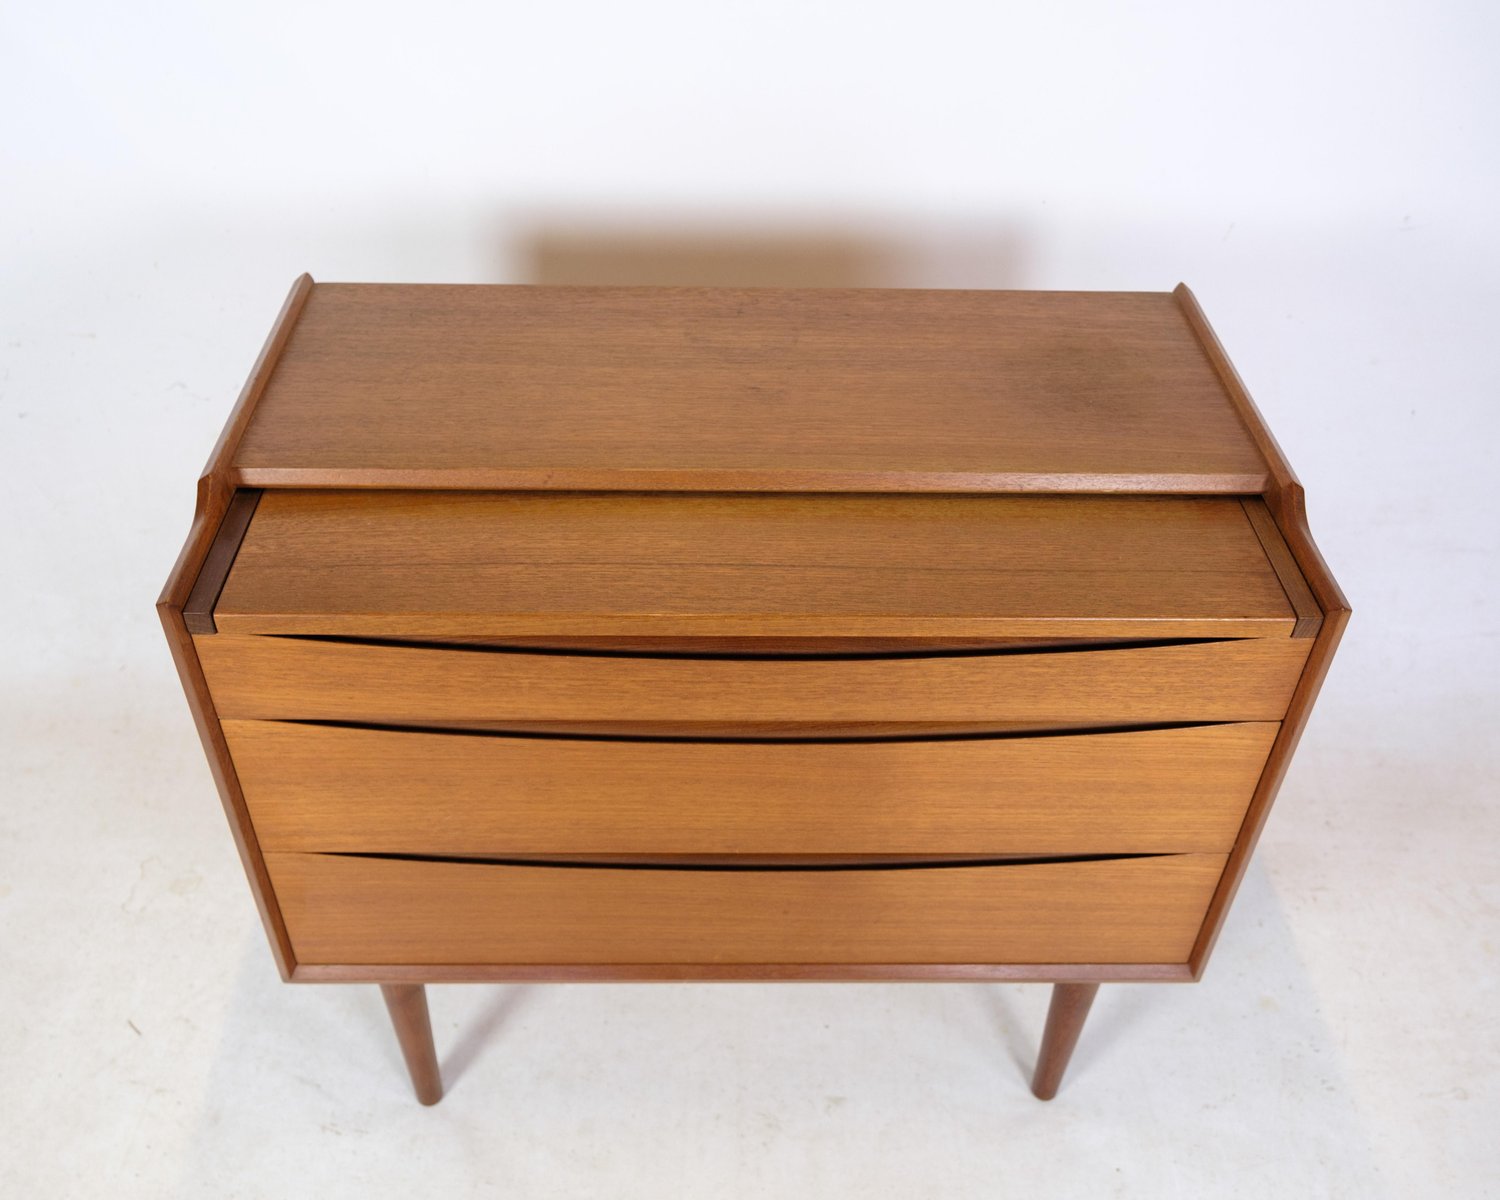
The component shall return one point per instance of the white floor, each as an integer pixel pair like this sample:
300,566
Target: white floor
1343,1044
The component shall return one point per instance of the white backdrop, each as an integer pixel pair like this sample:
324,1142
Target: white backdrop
1324,175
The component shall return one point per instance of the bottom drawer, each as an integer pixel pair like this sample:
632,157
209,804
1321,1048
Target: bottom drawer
352,909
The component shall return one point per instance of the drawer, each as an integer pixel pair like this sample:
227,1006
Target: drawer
317,787
319,679
342,909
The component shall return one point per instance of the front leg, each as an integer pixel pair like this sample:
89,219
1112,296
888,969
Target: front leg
407,1003
1065,1017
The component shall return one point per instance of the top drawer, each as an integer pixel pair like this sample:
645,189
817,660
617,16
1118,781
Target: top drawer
293,678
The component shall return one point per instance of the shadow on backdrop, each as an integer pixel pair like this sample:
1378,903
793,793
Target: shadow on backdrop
747,254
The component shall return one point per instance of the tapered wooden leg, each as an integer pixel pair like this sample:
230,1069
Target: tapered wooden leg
407,1003
1065,1017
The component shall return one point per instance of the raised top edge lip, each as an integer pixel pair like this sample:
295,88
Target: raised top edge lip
690,479
735,287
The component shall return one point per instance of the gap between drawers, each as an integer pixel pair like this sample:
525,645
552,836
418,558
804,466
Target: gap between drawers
642,863
769,739
1047,646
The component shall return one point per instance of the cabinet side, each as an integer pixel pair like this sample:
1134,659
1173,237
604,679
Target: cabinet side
215,491
1285,499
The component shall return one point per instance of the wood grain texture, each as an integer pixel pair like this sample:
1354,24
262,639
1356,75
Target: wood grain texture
365,910
705,389
1286,500
320,788
292,678
487,564
215,493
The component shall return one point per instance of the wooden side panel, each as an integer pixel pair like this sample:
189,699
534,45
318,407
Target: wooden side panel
364,910
215,493
1286,500
319,788
271,677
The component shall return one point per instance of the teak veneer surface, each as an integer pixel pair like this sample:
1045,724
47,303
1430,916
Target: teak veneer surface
722,614
477,563
347,909
307,679
745,389
312,787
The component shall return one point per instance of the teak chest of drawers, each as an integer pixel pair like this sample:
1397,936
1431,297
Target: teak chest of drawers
670,634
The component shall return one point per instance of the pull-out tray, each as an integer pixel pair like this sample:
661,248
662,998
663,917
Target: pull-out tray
477,565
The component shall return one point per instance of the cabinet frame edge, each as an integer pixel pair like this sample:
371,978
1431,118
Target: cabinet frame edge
214,500
745,973
1287,503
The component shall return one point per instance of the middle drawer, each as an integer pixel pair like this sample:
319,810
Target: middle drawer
331,788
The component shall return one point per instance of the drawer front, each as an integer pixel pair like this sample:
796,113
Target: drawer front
314,787
357,910
282,677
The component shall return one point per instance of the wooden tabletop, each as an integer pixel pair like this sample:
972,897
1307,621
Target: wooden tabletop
701,389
